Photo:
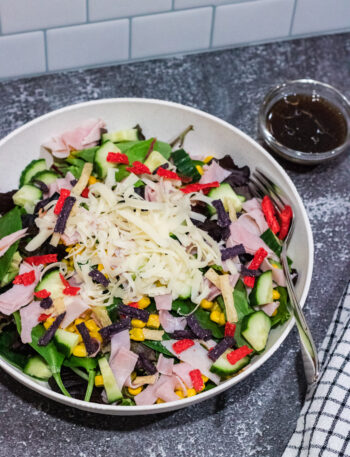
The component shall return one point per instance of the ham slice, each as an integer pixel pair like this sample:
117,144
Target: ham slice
148,396
86,135
214,172
61,183
171,323
164,302
122,365
120,340
240,234
270,308
7,241
19,295
196,356
251,205
29,319
277,273
182,370
75,306
165,365
165,391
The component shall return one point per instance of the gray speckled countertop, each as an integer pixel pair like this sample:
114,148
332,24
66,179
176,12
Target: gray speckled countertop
257,417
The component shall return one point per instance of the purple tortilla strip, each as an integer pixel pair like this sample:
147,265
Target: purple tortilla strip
248,272
146,364
46,303
91,344
223,217
226,343
99,277
134,313
110,330
200,332
182,335
64,214
50,333
229,253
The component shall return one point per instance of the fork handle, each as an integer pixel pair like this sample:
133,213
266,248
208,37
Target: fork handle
309,353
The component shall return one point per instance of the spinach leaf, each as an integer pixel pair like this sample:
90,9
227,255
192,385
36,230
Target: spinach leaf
87,154
140,149
241,301
112,309
240,341
157,345
282,314
163,148
7,339
76,166
9,223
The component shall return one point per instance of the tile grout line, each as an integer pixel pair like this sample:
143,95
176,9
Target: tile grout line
46,53
212,28
130,37
293,17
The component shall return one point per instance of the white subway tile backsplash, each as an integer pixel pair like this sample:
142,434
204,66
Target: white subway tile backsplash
252,21
183,4
110,9
321,15
89,44
22,54
169,33
23,15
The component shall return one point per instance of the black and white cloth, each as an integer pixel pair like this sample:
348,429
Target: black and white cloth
323,427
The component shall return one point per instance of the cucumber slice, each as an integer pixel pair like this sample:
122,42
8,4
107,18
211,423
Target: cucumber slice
262,290
255,329
37,368
46,176
52,283
112,390
27,197
101,164
224,193
31,170
66,341
120,135
272,241
224,368
155,160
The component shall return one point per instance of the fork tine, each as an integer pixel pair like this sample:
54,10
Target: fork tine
256,188
268,191
270,185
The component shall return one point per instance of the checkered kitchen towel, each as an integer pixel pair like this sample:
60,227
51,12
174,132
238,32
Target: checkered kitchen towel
323,428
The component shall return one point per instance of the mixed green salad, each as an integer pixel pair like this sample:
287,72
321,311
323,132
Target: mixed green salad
134,273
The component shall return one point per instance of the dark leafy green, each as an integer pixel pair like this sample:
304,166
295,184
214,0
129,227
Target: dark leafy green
185,165
112,309
157,345
282,314
241,301
76,166
87,154
7,339
9,223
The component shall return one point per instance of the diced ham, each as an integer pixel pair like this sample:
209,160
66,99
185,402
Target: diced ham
196,356
75,306
148,396
179,384
182,370
165,391
86,135
241,235
122,365
150,194
61,183
7,241
29,319
165,365
270,308
277,273
251,205
120,340
19,295
214,172
163,302
171,323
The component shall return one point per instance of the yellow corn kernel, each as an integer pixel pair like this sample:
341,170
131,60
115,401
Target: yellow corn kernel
191,392
274,266
92,180
206,304
69,248
153,321
179,393
274,313
91,325
215,316
134,391
78,321
222,320
199,169
216,307
71,328
99,380
80,350
136,334
100,267
205,378
208,159
159,400
138,323
275,294
96,335
144,302
48,322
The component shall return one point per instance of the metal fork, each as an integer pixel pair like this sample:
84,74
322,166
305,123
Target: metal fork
261,185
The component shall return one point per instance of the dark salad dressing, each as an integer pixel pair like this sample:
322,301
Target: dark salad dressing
307,123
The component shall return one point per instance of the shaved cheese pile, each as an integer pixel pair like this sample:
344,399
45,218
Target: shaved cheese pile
147,248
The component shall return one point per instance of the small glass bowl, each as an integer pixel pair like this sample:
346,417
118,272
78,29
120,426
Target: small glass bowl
305,87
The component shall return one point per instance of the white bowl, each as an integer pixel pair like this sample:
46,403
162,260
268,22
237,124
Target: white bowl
164,120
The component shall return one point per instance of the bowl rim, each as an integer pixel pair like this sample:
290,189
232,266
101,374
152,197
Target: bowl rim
294,154
181,403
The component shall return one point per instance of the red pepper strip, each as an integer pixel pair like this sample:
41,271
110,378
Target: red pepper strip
64,281
60,202
85,192
197,187
43,317
182,345
71,290
254,265
167,174
197,380
230,329
41,259
138,168
25,279
270,214
238,354
285,217
133,304
43,293
117,157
